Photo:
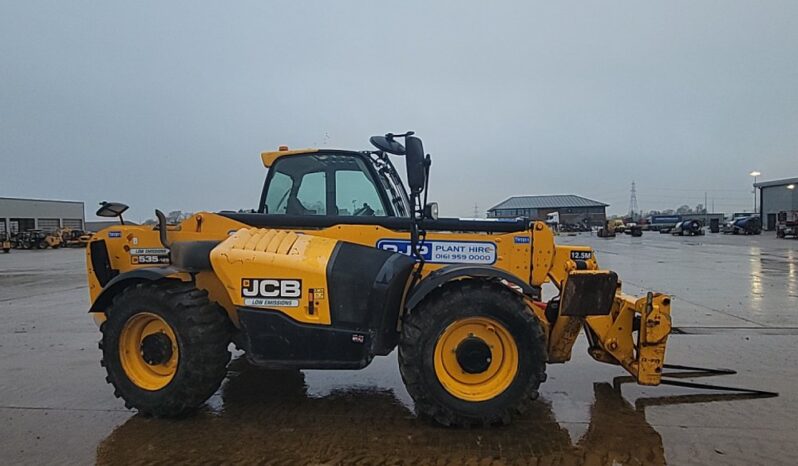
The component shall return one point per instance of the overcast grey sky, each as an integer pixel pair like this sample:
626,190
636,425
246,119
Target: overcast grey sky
168,104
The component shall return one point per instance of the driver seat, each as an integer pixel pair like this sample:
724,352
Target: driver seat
295,207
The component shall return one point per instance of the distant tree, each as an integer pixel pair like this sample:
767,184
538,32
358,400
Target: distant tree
668,212
174,216
699,209
177,216
150,221
684,209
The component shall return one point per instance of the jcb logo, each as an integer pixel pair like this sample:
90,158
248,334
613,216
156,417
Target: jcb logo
271,288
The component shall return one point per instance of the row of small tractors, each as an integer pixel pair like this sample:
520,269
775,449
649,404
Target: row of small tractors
38,239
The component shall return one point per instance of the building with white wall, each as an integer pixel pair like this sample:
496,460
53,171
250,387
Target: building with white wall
774,197
18,214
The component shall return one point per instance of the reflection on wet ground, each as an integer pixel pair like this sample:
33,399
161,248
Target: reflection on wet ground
268,416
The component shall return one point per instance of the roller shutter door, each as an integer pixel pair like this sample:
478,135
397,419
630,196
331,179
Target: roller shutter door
22,224
49,224
74,223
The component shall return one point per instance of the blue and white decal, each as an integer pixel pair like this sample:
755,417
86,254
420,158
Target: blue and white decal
445,252
521,240
114,234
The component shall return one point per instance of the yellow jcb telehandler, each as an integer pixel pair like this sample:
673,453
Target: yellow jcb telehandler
339,263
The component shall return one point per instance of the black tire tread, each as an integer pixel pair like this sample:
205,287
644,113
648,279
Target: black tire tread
415,332
203,331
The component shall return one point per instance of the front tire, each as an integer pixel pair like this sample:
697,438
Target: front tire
471,354
164,348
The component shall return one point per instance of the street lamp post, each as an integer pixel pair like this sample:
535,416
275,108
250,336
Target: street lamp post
754,174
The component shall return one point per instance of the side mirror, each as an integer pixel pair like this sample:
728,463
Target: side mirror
416,165
112,209
388,144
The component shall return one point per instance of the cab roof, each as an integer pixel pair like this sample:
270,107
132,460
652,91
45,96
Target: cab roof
269,157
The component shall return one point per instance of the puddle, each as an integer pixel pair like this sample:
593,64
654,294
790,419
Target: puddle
270,417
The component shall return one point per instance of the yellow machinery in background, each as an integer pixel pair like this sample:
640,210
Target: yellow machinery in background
53,240
37,239
340,263
72,238
607,231
5,242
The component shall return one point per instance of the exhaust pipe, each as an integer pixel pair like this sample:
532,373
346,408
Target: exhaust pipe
162,229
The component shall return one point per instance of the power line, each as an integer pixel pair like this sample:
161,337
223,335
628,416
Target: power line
633,202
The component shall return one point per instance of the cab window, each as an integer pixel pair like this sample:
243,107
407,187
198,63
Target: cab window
323,184
356,194
276,197
311,197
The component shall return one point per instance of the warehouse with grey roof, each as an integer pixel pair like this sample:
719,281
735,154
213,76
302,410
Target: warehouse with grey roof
572,209
17,215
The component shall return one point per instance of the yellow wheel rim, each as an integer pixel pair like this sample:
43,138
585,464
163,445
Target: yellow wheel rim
496,372
148,369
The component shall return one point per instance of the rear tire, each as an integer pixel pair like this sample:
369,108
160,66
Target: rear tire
183,353
435,383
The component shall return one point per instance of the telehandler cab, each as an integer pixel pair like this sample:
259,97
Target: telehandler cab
340,263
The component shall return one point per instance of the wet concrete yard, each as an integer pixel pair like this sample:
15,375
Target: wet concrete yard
735,305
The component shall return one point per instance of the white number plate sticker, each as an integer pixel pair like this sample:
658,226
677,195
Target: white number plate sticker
581,255
445,252
149,256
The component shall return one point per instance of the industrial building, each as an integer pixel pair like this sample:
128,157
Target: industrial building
18,215
97,225
774,197
571,208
